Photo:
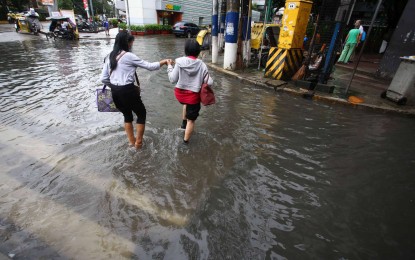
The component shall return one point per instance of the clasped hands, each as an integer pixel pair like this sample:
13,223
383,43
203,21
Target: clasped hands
166,62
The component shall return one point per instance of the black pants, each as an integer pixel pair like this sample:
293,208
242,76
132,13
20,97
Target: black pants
128,100
192,111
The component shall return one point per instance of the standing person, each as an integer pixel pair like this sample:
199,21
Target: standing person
358,24
352,39
188,74
106,26
118,73
64,25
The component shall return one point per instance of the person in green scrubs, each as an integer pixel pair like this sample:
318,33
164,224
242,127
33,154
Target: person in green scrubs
352,39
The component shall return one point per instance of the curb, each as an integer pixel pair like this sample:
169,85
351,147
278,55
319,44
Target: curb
279,87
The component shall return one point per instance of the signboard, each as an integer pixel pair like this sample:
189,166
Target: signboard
173,7
70,14
47,2
85,4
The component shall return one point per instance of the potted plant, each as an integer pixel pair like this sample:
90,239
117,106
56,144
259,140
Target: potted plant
114,22
147,28
157,28
165,29
122,26
140,30
133,29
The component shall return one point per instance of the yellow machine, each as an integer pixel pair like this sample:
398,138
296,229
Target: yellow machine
267,33
285,60
294,24
204,39
200,36
257,32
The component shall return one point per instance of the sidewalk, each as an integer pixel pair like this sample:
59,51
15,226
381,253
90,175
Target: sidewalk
364,85
368,65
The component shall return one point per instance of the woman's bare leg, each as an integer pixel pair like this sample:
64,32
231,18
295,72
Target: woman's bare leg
130,132
189,130
140,134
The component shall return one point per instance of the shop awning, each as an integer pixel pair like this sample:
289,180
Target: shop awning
171,11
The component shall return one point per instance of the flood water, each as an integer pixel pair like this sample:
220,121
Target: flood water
266,175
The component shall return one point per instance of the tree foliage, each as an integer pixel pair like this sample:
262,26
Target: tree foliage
99,6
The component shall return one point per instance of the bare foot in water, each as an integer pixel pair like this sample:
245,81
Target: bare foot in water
138,145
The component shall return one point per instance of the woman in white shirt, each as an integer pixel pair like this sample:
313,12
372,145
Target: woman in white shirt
118,73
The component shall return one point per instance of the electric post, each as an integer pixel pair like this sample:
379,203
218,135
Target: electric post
222,23
92,10
246,30
231,34
215,32
239,55
127,13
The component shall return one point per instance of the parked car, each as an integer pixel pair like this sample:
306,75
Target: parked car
185,29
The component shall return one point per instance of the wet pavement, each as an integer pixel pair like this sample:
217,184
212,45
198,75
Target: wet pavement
267,175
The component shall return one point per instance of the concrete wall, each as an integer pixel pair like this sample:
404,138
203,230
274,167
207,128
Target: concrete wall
142,12
402,42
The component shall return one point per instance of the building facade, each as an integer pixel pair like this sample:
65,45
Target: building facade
167,12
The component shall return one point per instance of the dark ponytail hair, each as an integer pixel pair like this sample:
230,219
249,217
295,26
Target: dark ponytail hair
121,44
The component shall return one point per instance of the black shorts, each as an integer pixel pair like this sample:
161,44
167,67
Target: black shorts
128,100
192,111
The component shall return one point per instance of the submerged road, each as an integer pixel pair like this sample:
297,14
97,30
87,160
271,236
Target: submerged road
266,175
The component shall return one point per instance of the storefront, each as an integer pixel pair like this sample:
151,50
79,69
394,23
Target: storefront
167,12
195,11
170,15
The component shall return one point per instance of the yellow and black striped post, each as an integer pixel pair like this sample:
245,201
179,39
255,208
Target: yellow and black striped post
282,63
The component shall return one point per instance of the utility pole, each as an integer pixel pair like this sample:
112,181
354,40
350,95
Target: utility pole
239,58
127,13
92,10
222,24
246,30
231,34
215,32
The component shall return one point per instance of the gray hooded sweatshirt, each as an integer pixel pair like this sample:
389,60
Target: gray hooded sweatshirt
188,74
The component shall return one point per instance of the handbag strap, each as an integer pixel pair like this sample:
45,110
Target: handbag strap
117,59
206,78
136,77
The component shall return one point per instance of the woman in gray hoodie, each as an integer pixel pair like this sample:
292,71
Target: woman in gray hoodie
188,74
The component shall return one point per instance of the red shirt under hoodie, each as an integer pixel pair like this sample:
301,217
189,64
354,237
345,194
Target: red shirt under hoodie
187,96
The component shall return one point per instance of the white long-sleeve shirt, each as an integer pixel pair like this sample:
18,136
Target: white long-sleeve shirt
124,72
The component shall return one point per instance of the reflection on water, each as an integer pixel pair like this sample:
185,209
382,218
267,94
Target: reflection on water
267,175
